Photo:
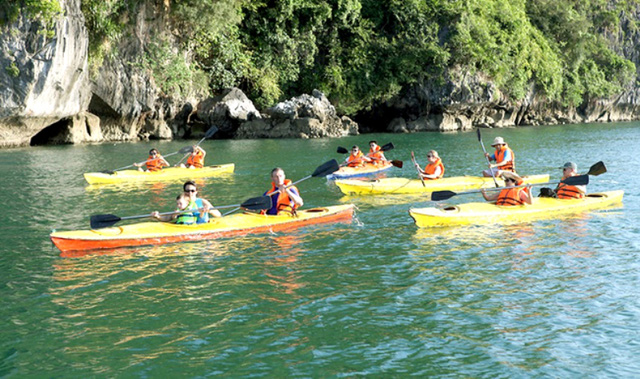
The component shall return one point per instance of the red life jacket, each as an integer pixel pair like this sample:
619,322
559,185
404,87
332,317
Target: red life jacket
500,154
509,197
154,164
565,191
376,155
283,202
197,160
430,169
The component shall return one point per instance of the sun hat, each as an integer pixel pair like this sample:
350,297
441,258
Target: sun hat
570,165
498,141
512,175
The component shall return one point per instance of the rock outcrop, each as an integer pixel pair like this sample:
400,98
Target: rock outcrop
45,81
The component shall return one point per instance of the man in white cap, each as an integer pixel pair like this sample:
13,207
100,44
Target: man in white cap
564,191
505,159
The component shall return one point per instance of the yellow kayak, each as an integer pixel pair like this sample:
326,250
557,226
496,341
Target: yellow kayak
135,176
73,243
406,186
484,213
361,171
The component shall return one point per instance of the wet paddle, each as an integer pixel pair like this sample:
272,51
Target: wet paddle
580,180
106,220
212,130
488,161
184,150
413,159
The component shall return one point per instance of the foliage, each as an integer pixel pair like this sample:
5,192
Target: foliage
44,11
12,70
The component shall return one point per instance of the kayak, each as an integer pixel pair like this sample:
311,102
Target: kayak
134,176
158,233
358,172
407,186
484,213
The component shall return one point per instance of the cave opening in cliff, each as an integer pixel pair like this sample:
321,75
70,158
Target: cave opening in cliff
52,134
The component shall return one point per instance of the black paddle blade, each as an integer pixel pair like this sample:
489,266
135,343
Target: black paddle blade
580,180
597,169
397,164
342,150
387,147
326,168
103,221
442,195
479,135
212,130
257,203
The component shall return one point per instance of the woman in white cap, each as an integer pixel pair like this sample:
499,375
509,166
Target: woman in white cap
505,159
564,191
511,196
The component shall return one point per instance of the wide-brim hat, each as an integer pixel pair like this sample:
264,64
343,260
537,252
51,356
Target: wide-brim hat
512,175
498,141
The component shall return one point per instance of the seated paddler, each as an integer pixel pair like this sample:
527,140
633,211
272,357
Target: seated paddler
284,196
511,194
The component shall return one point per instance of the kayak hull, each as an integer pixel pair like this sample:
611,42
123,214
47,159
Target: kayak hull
485,213
414,186
135,176
359,172
71,243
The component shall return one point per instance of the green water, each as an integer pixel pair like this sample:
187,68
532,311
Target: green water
551,298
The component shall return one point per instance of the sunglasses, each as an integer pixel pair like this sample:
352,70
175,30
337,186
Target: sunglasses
429,156
191,190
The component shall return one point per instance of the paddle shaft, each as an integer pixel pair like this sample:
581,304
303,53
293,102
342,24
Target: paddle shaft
488,160
415,164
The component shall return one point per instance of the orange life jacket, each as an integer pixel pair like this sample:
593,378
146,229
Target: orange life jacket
430,169
283,203
354,161
509,197
154,164
197,160
500,154
565,191
376,155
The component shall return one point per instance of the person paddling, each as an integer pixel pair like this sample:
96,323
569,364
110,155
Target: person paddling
434,169
155,162
505,159
182,202
376,154
510,196
564,191
287,198
195,203
196,158
357,158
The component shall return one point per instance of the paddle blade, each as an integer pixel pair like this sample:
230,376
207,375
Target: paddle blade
597,169
442,195
580,180
326,168
212,130
342,150
397,164
387,147
103,221
257,203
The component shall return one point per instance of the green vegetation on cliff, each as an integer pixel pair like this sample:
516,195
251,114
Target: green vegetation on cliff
359,52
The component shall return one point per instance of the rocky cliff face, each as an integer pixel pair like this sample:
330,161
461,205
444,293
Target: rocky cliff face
44,80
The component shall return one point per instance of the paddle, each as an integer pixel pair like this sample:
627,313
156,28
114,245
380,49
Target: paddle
413,159
106,220
184,150
488,161
387,147
580,180
212,130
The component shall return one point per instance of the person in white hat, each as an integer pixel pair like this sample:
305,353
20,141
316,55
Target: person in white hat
504,157
511,196
564,191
